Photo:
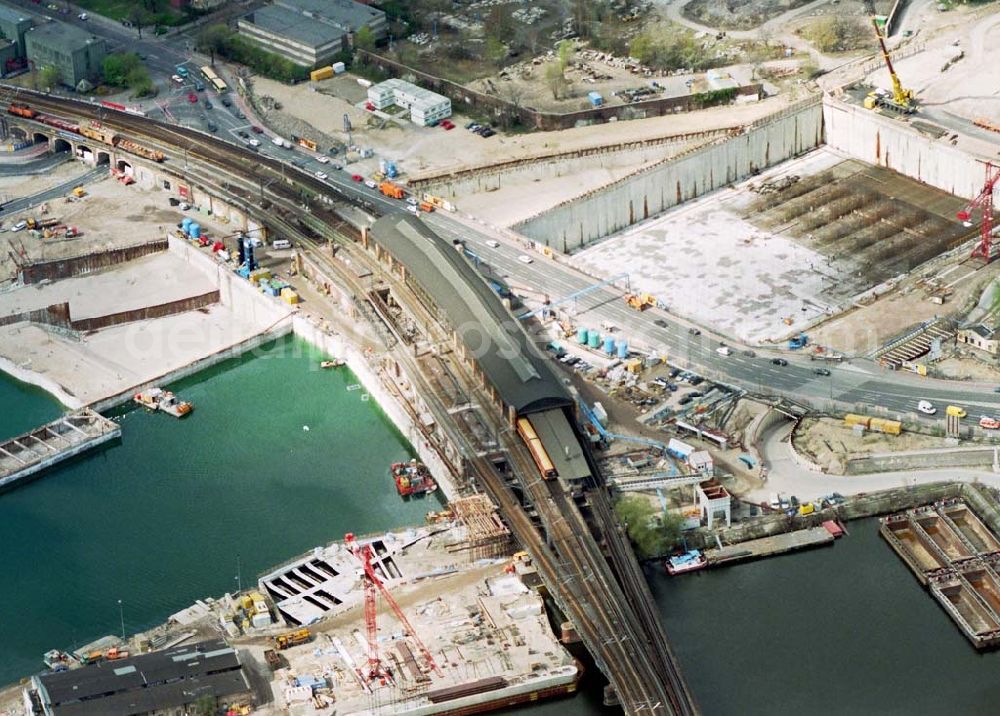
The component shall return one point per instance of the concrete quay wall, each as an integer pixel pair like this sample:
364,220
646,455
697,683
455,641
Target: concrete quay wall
894,144
920,460
575,223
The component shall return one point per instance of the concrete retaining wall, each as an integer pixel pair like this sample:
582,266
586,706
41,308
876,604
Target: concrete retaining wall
552,165
891,143
573,224
160,310
88,263
922,460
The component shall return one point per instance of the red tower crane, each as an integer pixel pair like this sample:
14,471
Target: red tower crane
373,586
984,202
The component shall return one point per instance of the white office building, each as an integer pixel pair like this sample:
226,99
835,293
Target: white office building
425,107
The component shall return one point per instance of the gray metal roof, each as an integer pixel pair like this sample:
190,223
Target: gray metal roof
12,15
295,26
144,683
561,444
350,14
983,331
59,33
521,375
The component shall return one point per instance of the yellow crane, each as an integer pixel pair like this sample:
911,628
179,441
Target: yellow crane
902,99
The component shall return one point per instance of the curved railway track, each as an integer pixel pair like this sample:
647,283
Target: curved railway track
624,633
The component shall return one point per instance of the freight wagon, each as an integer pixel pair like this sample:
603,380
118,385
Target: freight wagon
91,130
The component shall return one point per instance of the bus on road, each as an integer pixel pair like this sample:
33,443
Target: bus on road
213,80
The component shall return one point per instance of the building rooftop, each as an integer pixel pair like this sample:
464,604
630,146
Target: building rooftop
145,683
422,95
522,377
12,14
62,34
351,15
295,26
983,331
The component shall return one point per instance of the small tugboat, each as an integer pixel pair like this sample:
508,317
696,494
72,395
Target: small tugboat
158,399
690,561
332,363
412,478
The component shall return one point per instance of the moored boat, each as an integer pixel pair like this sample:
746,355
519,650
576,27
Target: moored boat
690,561
57,660
337,363
159,399
412,478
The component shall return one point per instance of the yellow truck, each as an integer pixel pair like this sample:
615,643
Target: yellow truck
292,638
956,411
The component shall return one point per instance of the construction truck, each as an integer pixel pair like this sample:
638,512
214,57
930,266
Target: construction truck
78,192
272,659
33,223
292,638
798,341
900,99
394,191
640,301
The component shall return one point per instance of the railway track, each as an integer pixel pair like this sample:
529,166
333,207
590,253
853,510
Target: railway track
614,616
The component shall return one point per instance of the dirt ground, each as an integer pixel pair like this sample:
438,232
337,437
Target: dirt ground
826,441
865,329
20,185
420,150
963,367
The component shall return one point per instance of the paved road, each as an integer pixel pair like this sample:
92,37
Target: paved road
788,477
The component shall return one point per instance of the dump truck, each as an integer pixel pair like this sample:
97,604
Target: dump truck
34,223
394,191
292,638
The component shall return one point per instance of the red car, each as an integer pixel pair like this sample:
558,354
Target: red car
256,130
447,124
192,98
369,106
357,177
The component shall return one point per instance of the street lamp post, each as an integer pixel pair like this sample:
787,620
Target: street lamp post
121,615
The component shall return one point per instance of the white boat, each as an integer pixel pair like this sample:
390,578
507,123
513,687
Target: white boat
690,561
159,399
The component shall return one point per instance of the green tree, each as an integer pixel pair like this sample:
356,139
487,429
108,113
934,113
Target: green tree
554,79
49,76
214,39
653,533
205,706
364,39
139,17
496,51
567,52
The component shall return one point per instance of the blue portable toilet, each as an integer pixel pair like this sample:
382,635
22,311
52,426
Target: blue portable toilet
609,345
596,100
194,230
623,349
186,225
581,336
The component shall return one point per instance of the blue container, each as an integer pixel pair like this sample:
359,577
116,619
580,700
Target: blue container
596,100
581,336
609,345
186,224
623,349
595,339
194,230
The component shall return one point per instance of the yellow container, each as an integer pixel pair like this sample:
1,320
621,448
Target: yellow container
889,427
634,365
289,296
258,274
323,73
806,509
851,420
956,411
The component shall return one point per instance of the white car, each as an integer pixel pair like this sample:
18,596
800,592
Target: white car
82,16
254,142
322,176
412,200
19,226
524,259
723,351
493,244
178,79
370,184
412,209
323,159
925,407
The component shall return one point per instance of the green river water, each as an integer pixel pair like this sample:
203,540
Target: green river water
159,519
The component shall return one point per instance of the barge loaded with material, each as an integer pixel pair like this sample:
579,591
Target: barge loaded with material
412,478
956,556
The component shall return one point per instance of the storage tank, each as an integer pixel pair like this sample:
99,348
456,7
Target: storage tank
581,336
609,345
594,339
623,349
186,224
194,230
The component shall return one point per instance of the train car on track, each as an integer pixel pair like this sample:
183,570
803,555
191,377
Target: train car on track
139,150
95,130
22,110
536,448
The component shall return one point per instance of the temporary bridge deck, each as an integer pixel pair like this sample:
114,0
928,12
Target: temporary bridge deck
24,456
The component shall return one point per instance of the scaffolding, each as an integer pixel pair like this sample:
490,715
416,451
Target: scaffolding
487,537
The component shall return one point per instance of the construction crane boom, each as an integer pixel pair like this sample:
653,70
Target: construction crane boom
983,202
372,587
902,99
